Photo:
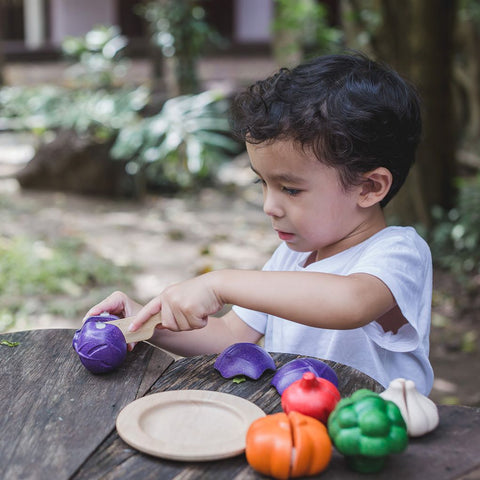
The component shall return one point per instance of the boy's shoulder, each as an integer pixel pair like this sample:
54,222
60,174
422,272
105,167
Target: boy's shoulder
404,244
393,250
407,237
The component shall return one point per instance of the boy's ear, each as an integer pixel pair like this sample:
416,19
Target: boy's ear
375,186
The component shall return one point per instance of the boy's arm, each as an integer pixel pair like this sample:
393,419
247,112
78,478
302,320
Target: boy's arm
218,334
311,298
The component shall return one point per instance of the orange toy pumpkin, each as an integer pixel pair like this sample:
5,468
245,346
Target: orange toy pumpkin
286,446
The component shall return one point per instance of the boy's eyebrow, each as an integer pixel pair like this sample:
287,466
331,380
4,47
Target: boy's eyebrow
282,177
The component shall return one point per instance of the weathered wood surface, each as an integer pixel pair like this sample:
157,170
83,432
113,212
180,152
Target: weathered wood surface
54,412
42,381
449,452
120,461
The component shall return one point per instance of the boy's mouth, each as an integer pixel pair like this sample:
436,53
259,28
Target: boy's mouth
285,236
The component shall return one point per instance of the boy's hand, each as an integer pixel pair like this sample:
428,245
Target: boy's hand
117,304
183,306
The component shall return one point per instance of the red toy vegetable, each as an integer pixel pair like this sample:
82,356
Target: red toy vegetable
100,346
312,396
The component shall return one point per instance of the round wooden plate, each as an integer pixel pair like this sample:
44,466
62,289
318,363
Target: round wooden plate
188,425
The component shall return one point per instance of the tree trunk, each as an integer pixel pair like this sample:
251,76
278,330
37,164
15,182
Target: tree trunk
467,76
417,39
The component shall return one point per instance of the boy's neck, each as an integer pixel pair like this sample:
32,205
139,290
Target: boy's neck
362,232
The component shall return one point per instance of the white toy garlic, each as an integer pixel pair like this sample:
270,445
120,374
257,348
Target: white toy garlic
418,411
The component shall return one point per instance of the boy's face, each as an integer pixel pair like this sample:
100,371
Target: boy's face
308,207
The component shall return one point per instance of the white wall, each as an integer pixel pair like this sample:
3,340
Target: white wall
253,20
77,17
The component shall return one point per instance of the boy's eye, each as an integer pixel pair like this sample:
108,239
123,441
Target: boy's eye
291,191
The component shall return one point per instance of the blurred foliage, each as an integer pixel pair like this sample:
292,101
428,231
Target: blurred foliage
361,23
176,147
182,143
180,31
469,9
455,237
30,267
42,108
307,20
98,57
33,269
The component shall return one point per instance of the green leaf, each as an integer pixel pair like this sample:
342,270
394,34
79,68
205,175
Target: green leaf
9,344
239,379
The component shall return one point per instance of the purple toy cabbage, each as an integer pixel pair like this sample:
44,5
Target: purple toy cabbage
100,346
246,359
294,370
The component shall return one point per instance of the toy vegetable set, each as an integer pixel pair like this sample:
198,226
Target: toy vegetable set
365,428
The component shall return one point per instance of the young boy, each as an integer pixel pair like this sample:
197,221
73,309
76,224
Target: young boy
331,142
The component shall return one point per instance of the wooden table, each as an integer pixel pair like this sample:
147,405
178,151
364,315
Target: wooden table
58,420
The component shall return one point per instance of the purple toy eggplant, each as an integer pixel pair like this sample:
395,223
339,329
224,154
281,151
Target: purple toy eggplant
247,359
295,369
100,346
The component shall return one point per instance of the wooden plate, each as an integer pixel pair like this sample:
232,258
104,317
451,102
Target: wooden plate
188,425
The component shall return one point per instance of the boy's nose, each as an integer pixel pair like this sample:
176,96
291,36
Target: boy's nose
271,206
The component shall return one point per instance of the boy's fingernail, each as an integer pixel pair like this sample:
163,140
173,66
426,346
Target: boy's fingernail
130,327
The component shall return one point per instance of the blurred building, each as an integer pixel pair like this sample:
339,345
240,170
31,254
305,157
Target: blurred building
36,28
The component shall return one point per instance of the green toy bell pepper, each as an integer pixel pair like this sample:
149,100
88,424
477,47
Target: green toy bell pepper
366,429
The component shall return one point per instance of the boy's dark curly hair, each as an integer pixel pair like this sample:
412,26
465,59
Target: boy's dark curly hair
353,113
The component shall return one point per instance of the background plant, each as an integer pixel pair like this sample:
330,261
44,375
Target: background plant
177,146
48,107
98,57
38,276
302,30
181,33
182,144
455,237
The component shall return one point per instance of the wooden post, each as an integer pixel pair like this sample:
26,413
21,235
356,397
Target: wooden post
2,55
34,22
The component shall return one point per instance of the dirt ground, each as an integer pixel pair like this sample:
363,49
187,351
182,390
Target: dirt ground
170,239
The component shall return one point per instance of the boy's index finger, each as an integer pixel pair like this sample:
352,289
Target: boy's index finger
133,324
134,329
150,312
143,316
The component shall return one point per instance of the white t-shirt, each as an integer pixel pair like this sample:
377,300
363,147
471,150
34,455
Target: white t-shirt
401,259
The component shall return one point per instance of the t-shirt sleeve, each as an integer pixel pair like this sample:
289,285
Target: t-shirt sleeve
403,262
256,320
